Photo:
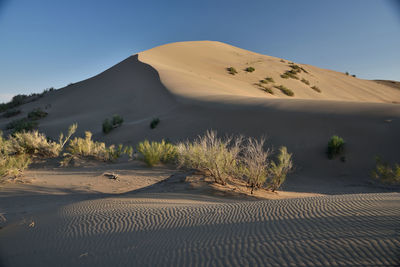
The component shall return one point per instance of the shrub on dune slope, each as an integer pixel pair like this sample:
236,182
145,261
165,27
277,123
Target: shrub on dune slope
385,173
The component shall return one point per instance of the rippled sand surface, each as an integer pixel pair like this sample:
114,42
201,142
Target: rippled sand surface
187,230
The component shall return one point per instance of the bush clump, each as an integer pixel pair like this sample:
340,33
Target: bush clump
154,123
13,165
316,89
235,157
11,113
335,146
285,90
109,125
268,90
290,74
250,69
232,70
153,153
269,79
305,81
211,154
37,114
86,148
385,173
20,125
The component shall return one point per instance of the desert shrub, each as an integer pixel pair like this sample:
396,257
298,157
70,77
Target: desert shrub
13,165
107,126
250,69
231,70
285,90
154,123
20,125
253,164
385,173
354,75
11,113
79,148
128,150
315,88
117,120
279,169
263,81
347,73
283,61
335,146
267,90
269,79
37,114
291,74
305,81
284,76
37,144
211,154
297,68
153,153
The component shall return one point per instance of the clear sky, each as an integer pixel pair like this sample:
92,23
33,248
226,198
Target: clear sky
51,43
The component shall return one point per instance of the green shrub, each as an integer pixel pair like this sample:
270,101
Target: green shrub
263,81
347,73
107,126
13,165
297,68
285,90
11,113
305,81
269,79
81,148
279,169
231,70
37,114
154,123
117,120
156,152
268,90
211,154
20,125
284,76
385,173
290,74
335,146
250,69
283,61
315,88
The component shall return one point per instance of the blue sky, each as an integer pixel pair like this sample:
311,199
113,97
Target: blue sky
47,43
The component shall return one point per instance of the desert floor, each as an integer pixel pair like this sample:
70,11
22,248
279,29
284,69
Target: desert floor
164,217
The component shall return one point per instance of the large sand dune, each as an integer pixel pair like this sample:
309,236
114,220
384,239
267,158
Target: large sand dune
187,86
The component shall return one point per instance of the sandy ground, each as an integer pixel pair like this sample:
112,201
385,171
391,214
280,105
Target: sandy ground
328,213
175,220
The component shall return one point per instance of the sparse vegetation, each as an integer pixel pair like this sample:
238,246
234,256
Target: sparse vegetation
305,81
109,125
335,147
315,88
153,153
385,173
268,90
232,70
290,74
20,125
250,69
269,79
347,73
154,123
283,61
235,157
13,165
285,90
280,169
354,75
11,113
37,114
21,99
86,148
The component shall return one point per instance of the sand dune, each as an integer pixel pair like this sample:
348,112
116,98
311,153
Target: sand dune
186,85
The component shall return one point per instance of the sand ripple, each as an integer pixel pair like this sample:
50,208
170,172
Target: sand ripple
147,230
